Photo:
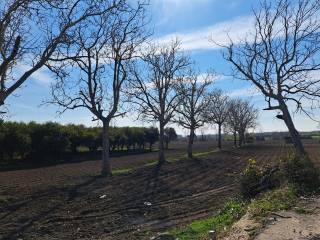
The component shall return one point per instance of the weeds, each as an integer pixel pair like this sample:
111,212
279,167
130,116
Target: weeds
232,212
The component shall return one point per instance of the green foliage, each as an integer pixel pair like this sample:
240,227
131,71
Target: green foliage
14,140
255,179
38,141
276,200
48,139
232,212
301,173
169,135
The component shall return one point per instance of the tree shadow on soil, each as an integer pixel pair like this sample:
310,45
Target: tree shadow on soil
27,222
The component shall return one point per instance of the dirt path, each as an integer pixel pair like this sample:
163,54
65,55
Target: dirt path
295,226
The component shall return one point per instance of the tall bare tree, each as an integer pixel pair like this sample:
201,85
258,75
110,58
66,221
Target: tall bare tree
92,72
31,31
232,122
217,110
248,117
192,90
241,117
153,86
280,57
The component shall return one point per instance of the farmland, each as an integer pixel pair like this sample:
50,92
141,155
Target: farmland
71,201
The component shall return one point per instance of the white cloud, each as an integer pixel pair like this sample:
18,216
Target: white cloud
245,92
168,9
215,77
41,76
204,38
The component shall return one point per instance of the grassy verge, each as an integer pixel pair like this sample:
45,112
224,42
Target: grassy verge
280,199
259,209
200,229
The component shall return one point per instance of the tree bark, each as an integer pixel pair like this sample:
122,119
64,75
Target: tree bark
241,138
235,139
190,143
296,139
162,158
219,136
106,166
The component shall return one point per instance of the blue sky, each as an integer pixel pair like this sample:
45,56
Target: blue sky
194,22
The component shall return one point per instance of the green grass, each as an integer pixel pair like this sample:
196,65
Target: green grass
153,163
232,212
202,154
122,171
259,208
301,210
276,200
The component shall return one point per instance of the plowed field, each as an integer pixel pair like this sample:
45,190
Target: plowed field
71,201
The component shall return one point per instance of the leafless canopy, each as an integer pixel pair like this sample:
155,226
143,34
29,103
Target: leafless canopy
242,116
217,110
91,72
100,54
281,57
154,81
218,107
153,84
192,93
31,31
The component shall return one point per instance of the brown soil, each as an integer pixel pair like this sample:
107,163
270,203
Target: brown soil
283,225
70,201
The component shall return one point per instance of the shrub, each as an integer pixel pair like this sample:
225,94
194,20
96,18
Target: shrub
301,173
255,179
48,139
279,199
14,140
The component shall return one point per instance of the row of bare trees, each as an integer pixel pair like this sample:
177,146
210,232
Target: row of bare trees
165,89
94,50
235,116
99,53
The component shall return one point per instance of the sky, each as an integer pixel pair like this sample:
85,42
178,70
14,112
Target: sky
194,23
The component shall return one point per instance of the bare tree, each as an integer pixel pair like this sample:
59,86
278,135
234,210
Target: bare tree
153,86
217,110
31,31
248,116
92,76
241,117
232,121
192,90
280,57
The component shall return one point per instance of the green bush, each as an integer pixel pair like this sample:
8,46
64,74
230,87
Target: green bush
38,141
255,179
301,173
15,141
275,200
49,139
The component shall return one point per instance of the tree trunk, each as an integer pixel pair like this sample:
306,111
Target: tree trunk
235,139
106,166
162,158
241,140
190,143
299,148
219,136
